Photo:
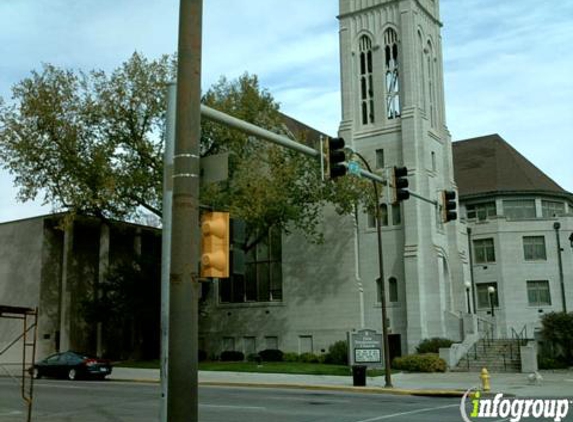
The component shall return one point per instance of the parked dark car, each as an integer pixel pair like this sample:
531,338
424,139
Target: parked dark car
71,365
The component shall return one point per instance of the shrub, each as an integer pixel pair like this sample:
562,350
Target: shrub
232,356
202,355
337,353
254,357
551,363
271,355
308,358
432,345
420,363
290,357
557,329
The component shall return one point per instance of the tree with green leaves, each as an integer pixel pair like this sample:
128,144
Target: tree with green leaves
557,329
91,143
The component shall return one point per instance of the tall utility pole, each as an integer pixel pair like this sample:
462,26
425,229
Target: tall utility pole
182,400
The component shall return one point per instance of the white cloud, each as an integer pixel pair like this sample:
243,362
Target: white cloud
507,63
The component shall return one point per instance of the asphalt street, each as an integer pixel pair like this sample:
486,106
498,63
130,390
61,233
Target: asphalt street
96,401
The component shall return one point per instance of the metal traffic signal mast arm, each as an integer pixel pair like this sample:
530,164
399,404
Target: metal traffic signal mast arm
251,129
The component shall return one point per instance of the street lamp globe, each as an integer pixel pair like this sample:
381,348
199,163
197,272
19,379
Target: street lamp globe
491,290
468,285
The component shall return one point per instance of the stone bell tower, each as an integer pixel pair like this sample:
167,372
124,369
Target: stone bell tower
393,114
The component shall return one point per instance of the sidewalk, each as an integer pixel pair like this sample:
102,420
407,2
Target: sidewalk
554,384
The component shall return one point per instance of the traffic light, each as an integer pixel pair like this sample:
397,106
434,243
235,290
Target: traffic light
334,158
400,184
215,245
449,206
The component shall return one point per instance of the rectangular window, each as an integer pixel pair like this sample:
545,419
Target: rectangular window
379,158
534,248
262,281
484,251
519,209
392,290
396,214
538,293
481,211
272,342
249,346
483,295
305,344
552,209
228,344
383,217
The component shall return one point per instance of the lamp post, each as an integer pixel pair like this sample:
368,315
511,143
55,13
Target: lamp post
468,286
491,292
556,227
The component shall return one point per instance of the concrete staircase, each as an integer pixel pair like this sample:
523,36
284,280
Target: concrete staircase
495,355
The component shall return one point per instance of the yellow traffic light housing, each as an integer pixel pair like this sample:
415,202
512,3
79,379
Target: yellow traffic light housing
215,245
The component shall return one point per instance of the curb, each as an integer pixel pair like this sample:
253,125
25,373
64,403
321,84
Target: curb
350,389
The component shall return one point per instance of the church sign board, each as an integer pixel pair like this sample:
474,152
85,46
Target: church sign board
365,348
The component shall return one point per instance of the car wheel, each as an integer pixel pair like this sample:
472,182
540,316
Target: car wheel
72,374
36,373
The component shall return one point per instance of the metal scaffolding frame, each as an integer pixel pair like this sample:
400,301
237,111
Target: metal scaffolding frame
29,318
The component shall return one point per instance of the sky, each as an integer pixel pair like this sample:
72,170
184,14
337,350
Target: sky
508,67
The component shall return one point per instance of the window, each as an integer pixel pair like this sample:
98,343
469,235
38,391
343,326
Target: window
534,248
305,344
431,89
366,84
518,209
538,293
383,217
392,290
396,214
484,251
271,342
228,344
262,281
392,74
552,208
379,158
249,345
481,211
483,295
433,161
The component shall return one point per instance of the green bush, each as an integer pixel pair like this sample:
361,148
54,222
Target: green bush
308,358
420,363
271,355
557,329
551,363
290,357
337,353
432,345
232,356
254,357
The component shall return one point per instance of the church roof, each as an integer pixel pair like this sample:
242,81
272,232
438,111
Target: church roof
489,165
302,132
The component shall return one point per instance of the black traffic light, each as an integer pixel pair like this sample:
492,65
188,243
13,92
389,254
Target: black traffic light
400,184
449,206
335,158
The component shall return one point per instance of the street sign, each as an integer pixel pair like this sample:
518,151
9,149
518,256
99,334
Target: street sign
365,348
353,168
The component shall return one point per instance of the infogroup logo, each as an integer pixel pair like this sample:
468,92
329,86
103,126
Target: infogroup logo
513,408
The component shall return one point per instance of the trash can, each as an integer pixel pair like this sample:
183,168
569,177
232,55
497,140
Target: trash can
359,375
